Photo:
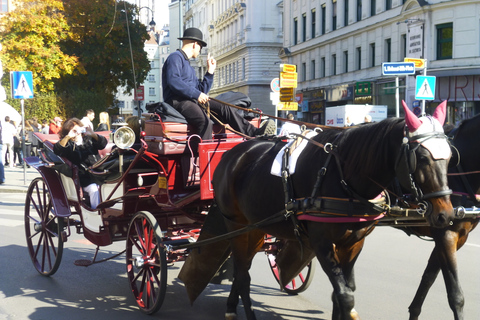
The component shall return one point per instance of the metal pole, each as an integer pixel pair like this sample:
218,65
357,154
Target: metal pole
23,143
397,98
423,101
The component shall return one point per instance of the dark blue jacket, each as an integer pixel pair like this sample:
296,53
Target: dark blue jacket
179,81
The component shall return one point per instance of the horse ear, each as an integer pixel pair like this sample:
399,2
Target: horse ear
441,112
411,119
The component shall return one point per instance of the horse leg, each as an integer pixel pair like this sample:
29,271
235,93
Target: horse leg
443,257
244,248
342,297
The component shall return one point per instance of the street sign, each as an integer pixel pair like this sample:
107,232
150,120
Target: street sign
398,68
288,68
22,84
419,63
140,93
363,88
287,95
275,84
287,106
425,88
288,79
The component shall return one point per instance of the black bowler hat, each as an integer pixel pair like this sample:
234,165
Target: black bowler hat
193,34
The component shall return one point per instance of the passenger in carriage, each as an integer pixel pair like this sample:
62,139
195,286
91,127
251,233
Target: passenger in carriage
80,145
184,91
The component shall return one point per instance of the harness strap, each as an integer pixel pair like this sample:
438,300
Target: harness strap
467,185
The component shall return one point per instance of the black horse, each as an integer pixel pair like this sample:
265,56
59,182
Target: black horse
336,172
464,180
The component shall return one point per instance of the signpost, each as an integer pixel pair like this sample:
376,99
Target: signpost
21,83
396,69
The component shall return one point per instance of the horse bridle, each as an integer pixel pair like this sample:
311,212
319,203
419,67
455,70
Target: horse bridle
406,165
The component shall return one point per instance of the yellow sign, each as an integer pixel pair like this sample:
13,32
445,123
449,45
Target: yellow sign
288,79
287,95
419,63
287,106
288,68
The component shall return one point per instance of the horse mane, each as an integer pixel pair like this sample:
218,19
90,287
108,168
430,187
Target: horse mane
367,148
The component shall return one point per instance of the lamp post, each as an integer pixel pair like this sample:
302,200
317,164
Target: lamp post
152,23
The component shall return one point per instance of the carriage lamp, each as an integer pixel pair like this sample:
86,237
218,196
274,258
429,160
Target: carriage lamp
124,137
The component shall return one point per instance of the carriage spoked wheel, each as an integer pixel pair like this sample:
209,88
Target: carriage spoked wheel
301,282
146,262
43,229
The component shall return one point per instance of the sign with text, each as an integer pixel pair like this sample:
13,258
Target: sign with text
140,93
287,95
419,63
415,41
288,68
288,79
398,68
287,106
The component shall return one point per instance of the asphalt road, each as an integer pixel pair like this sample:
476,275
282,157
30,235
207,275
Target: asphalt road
387,272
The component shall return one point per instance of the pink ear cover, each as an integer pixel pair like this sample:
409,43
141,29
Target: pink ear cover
441,112
411,119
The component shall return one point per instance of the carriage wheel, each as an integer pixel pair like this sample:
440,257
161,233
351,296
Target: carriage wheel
43,229
146,262
300,283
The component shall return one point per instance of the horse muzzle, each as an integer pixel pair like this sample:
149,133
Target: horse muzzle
440,213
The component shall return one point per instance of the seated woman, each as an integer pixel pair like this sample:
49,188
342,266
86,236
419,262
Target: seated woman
80,145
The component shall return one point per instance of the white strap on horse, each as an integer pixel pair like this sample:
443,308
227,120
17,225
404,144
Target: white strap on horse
276,169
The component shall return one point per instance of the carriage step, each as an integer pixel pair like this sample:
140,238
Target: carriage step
83,262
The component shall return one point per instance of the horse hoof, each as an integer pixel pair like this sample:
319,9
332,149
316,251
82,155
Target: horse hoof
230,316
354,315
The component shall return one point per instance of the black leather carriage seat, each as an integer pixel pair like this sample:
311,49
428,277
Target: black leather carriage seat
167,131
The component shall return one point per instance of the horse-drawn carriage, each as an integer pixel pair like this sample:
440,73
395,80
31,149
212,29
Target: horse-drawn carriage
159,199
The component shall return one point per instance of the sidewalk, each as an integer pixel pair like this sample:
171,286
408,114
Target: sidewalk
14,180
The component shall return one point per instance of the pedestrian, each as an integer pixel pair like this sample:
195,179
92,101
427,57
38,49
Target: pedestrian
55,125
367,119
104,124
45,129
186,93
32,128
17,144
80,145
289,127
88,118
9,131
2,169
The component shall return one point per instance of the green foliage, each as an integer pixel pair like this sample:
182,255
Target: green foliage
31,37
78,51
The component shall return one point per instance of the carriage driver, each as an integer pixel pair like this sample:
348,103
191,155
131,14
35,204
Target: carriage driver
184,91
80,145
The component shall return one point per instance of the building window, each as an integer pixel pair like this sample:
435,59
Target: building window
334,64
444,41
373,7
152,64
372,54
295,31
359,58
3,5
388,4
304,27
322,67
304,71
314,21
324,18
334,14
345,13
345,61
388,50
403,46
359,10
313,70
151,91
151,78
243,69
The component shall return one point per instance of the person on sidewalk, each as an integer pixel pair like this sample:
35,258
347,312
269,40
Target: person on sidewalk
185,92
55,125
2,168
80,145
9,131
88,118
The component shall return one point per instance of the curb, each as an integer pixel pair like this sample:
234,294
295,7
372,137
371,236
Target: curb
16,181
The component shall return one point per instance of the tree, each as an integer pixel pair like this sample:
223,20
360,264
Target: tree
106,36
31,37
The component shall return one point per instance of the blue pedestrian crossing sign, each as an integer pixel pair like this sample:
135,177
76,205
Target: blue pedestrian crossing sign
22,84
425,88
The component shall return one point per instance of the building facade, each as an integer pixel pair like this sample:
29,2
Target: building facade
339,46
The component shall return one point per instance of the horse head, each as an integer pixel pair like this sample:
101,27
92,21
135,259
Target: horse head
422,164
